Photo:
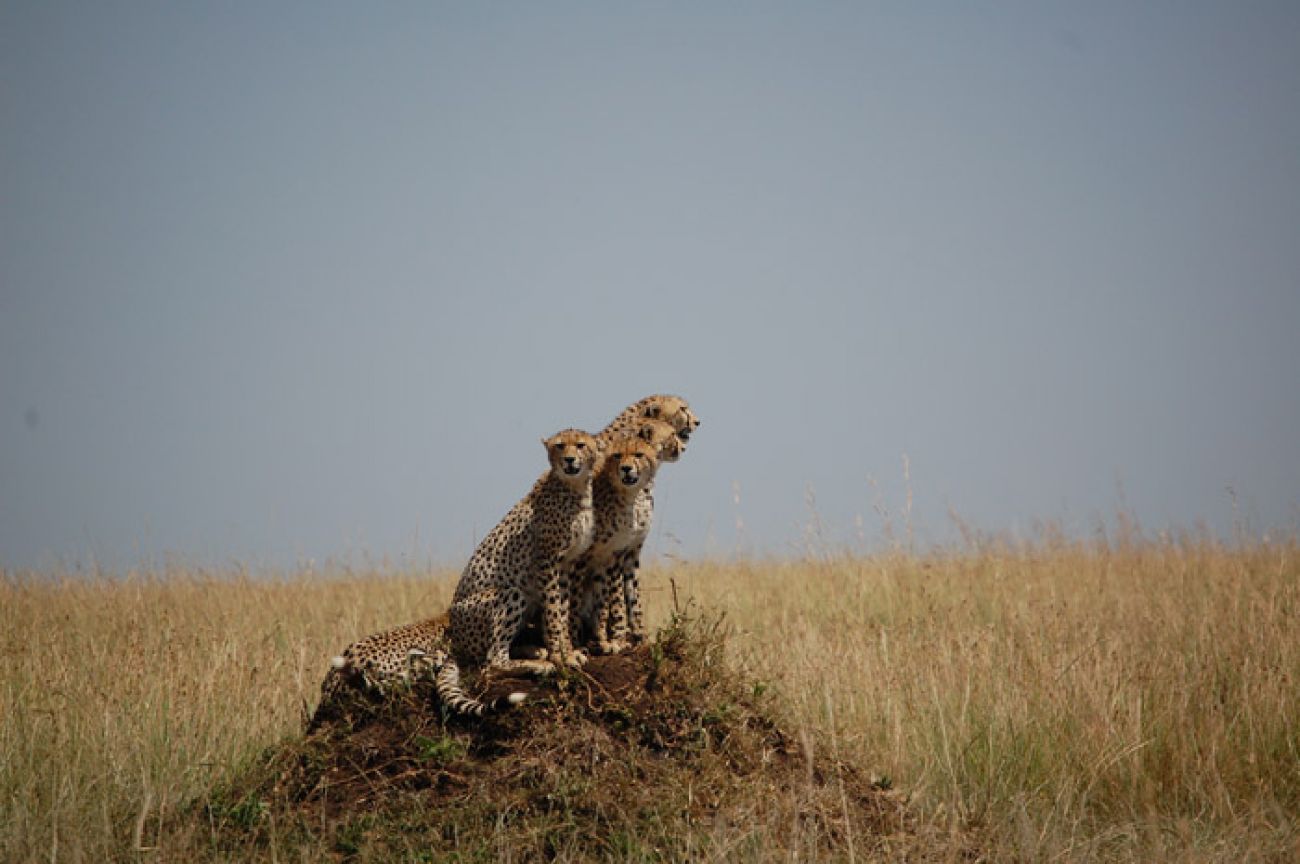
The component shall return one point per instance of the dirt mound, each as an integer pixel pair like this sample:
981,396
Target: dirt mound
661,752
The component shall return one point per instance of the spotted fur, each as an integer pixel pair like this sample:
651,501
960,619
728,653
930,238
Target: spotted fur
673,410
667,422
623,504
524,564
404,654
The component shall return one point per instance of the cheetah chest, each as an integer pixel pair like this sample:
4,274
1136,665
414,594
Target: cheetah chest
622,521
643,511
581,530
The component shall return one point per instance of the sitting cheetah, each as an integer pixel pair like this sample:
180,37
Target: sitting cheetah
524,564
404,653
662,436
673,410
623,506
619,580
667,422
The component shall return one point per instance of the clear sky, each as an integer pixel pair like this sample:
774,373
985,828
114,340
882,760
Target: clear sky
291,281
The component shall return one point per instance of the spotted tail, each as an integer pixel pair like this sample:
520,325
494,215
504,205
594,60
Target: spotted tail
456,700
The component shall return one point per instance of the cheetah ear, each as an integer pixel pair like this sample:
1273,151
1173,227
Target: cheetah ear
652,411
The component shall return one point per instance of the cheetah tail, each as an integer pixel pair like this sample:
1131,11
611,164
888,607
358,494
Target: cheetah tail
330,690
447,683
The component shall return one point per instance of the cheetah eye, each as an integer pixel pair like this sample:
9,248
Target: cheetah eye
580,445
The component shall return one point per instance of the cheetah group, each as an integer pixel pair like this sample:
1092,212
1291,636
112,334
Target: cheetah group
563,560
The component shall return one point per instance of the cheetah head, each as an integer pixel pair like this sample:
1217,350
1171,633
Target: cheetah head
673,410
631,461
574,454
662,437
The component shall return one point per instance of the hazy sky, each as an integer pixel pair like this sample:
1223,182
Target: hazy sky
298,281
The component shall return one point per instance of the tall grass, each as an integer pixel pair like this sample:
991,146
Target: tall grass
1054,701
120,699
1074,702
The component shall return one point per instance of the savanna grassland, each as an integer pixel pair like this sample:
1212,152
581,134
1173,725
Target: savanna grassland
1046,702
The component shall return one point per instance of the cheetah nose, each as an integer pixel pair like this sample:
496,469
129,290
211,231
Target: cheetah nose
570,459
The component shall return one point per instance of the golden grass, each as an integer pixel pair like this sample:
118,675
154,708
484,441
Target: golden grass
1055,702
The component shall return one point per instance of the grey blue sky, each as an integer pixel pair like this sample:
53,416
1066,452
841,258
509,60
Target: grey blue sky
290,281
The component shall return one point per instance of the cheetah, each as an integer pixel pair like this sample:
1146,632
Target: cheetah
673,410
668,445
524,565
403,654
583,605
667,422
621,499
584,596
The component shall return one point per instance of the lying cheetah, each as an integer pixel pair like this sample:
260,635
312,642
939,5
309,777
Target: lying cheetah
524,564
623,506
406,653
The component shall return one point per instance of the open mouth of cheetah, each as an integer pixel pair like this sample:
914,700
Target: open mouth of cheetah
572,469
630,479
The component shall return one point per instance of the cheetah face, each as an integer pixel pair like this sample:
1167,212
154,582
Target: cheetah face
663,438
573,454
688,423
632,461
675,411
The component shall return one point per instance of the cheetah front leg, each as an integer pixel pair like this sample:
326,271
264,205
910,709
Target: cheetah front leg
611,611
630,563
482,630
583,585
607,590
555,617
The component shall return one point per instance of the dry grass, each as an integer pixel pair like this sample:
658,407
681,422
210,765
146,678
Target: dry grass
1055,702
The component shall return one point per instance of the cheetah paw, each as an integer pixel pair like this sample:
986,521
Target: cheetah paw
611,646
